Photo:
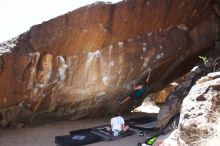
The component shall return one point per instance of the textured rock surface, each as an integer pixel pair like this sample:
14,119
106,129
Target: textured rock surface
199,117
173,103
161,96
200,110
78,64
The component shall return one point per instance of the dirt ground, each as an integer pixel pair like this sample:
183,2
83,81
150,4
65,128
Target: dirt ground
44,135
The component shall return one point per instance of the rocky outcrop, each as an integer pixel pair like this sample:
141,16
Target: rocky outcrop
173,103
161,96
80,63
200,110
199,117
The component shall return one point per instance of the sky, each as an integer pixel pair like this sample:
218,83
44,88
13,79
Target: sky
17,16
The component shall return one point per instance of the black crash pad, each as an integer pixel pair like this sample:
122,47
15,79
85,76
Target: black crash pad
108,135
77,138
140,120
142,123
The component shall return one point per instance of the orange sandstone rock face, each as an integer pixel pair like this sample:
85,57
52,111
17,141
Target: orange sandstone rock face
161,96
79,64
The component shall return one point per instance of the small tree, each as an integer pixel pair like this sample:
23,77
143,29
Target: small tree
205,60
211,65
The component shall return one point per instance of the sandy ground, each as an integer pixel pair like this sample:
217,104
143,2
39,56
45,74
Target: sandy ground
44,135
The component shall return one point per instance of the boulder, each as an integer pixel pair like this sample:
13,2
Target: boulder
200,111
199,118
79,64
161,96
172,105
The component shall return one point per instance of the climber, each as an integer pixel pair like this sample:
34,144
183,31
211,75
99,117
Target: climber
136,94
139,90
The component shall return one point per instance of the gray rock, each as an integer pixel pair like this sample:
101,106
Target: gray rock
199,112
172,105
